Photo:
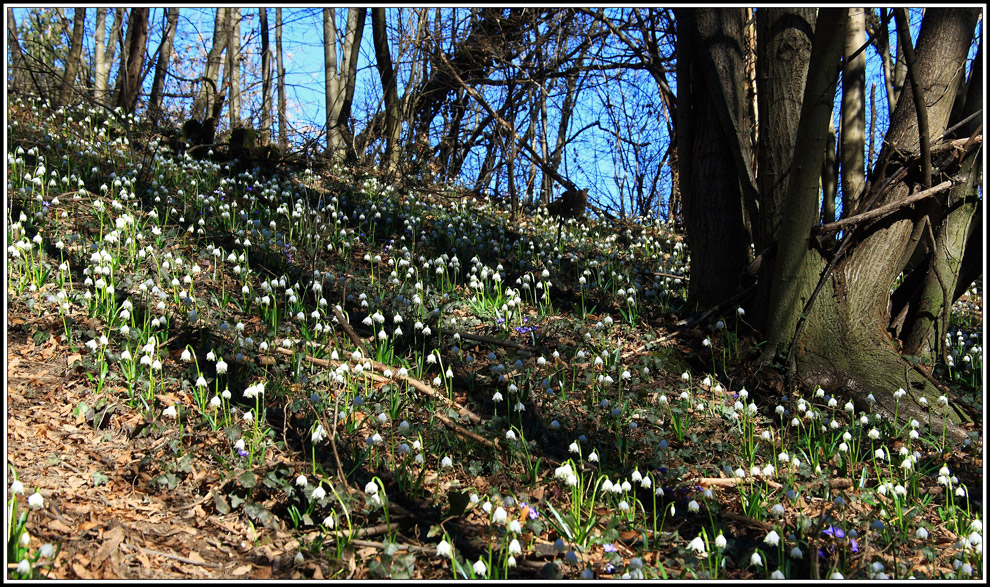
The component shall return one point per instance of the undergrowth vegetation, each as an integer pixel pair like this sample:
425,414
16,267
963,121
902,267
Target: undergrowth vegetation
442,380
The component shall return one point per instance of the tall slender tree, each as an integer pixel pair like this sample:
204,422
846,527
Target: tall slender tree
393,126
283,131
266,78
340,78
73,62
130,74
234,65
162,64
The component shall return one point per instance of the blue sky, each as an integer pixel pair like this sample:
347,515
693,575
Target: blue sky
303,52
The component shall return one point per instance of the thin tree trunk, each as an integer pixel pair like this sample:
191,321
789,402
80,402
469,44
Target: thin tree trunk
161,67
266,78
340,81
100,69
234,65
393,126
129,75
203,105
72,62
852,131
283,131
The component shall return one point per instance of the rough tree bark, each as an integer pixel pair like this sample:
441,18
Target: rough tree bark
713,156
784,39
846,344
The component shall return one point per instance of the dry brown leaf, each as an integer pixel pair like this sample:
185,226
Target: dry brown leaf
81,571
60,527
195,556
262,573
111,540
241,570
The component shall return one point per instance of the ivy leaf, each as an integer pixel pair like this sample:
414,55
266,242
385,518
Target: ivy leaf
248,479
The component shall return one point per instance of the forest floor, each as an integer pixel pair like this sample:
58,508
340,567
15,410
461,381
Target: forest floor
531,411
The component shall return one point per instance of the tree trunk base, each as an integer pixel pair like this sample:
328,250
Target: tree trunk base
855,369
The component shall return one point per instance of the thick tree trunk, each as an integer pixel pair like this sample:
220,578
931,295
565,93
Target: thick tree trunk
711,88
73,61
845,341
161,67
784,43
797,265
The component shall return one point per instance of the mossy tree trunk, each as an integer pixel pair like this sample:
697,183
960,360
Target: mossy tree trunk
845,337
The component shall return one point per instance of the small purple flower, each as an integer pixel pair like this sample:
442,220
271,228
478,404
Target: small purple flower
834,532
611,548
853,545
242,452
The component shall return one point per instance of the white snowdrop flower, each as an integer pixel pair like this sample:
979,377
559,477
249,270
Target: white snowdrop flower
593,457
693,506
697,545
446,462
479,567
777,575
170,412
301,481
319,493
756,559
773,539
36,501
443,549
796,553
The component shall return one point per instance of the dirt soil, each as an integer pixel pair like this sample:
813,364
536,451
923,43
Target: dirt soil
100,504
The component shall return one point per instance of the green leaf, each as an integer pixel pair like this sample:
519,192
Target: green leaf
459,501
221,504
99,479
248,479
81,409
